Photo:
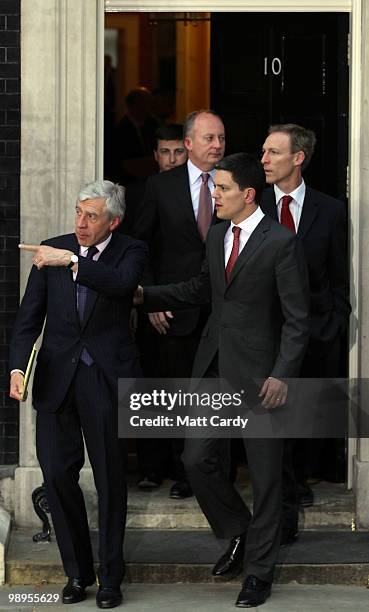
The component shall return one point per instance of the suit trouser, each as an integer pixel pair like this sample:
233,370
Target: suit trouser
207,466
175,356
89,408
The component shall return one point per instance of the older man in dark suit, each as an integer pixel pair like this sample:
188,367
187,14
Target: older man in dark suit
320,222
255,278
82,284
174,219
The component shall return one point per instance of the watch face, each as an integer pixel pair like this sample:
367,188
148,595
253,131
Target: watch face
74,258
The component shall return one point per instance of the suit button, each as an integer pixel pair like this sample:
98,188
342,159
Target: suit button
74,360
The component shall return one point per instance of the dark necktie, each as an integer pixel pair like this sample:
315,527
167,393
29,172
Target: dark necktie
234,253
286,216
82,294
205,211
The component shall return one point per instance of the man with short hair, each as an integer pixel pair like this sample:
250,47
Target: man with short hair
174,218
82,284
320,222
169,152
255,277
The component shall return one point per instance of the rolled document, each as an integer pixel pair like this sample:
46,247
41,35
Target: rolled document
28,373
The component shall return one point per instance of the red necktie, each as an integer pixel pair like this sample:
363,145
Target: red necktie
205,211
234,253
286,216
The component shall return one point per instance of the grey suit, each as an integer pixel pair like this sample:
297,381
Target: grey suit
258,327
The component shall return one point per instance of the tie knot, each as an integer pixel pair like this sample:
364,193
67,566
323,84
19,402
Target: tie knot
205,177
286,200
92,250
236,230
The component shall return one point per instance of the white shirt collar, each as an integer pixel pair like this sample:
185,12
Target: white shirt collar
251,222
297,194
100,247
194,172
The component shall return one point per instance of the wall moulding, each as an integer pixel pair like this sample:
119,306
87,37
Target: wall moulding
232,6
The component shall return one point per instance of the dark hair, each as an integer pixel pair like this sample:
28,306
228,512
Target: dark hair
169,131
191,118
246,171
301,139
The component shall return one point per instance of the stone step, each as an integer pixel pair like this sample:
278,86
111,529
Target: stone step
333,508
167,556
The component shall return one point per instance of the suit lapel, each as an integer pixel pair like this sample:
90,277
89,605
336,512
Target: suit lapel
268,204
93,295
309,212
182,193
256,239
220,253
68,286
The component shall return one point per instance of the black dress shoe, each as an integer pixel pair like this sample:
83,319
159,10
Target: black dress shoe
74,590
180,490
149,482
305,495
232,560
108,597
253,593
289,536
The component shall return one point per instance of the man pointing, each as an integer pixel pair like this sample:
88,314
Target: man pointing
82,284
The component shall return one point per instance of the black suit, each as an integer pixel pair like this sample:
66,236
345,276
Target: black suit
69,395
258,327
323,233
166,221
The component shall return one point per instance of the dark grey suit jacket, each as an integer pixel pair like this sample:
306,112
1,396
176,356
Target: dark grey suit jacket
166,221
259,323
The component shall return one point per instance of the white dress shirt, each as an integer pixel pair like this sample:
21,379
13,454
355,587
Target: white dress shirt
247,227
298,196
100,248
194,174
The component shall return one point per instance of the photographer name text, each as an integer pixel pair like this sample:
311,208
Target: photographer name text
187,421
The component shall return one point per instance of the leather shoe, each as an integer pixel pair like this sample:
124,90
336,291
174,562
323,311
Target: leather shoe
149,482
305,495
180,490
108,597
232,560
74,590
253,593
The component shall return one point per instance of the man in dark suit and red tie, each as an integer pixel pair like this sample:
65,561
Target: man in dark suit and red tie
320,222
255,277
174,218
82,284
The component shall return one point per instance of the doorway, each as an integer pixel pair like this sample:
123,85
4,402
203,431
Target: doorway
280,67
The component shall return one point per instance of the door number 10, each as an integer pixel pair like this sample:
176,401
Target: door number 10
275,66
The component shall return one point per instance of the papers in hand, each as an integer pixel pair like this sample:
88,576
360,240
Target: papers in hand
27,376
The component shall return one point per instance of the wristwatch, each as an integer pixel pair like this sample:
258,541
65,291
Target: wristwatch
73,260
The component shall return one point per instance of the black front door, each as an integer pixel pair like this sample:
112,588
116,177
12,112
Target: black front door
284,68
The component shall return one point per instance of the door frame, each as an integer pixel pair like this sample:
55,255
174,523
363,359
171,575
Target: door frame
354,7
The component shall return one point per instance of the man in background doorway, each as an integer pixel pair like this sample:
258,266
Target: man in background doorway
320,222
153,454
175,216
169,152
